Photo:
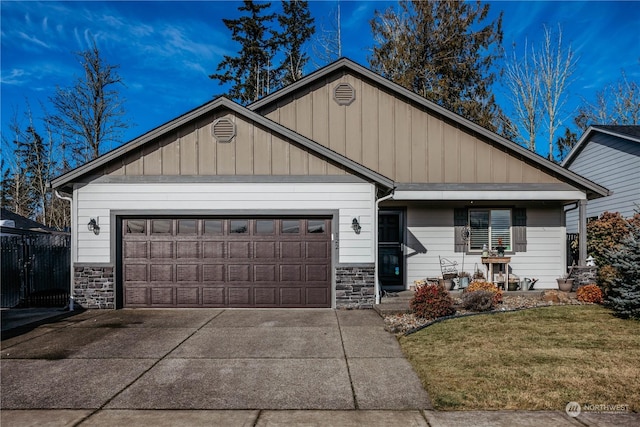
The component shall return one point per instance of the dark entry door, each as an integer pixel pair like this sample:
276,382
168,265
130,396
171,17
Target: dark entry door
390,257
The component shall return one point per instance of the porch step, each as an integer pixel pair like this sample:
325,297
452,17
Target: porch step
394,303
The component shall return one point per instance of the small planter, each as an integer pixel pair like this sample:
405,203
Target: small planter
501,250
464,282
565,285
513,286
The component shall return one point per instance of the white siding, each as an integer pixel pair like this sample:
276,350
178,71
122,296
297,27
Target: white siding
97,200
432,230
614,163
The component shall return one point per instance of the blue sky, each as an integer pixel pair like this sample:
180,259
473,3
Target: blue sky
166,50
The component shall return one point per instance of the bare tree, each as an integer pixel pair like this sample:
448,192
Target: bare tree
556,65
523,82
327,46
89,113
617,104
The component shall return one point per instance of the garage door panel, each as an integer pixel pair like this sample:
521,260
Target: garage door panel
316,273
162,296
161,273
213,273
264,250
318,297
136,296
135,249
291,297
240,296
317,250
213,250
239,250
188,273
265,296
161,249
239,273
190,262
213,297
290,273
265,273
291,250
188,249
136,273
187,296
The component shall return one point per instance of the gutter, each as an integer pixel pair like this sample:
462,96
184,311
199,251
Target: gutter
376,283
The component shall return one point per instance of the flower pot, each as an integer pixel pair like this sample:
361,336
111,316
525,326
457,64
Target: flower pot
464,282
565,285
513,286
447,283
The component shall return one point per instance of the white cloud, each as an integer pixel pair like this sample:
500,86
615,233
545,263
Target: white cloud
33,39
14,77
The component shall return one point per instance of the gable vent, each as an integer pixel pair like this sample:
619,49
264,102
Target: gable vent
344,94
223,130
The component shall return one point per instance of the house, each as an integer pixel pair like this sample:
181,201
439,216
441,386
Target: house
322,194
12,224
610,156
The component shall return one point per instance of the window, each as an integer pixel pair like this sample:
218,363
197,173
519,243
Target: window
264,226
290,226
490,226
239,226
161,226
213,226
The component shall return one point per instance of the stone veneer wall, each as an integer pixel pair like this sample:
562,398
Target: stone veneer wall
355,286
94,286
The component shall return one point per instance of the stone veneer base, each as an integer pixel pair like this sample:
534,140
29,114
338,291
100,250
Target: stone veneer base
355,286
94,286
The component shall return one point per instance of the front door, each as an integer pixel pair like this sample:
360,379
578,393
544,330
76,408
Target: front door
390,244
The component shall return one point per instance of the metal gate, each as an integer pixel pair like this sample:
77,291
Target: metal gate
36,270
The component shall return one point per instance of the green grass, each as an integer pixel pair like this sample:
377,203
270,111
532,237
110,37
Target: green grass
536,359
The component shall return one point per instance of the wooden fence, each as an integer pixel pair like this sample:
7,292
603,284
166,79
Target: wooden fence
35,270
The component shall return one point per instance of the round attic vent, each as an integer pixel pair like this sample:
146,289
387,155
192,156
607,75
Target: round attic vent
344,94
223,130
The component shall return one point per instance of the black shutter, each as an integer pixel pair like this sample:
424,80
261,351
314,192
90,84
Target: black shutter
519,228
460,219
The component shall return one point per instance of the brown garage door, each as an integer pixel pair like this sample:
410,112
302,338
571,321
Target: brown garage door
226,262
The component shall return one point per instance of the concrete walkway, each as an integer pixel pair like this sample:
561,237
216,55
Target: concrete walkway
228,367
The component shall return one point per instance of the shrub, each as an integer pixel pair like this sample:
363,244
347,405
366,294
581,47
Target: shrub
478,300
590,293
605,234
624,297
605,276
486,286
432,301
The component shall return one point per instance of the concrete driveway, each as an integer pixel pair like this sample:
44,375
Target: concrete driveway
210,359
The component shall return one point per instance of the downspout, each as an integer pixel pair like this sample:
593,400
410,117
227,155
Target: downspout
376,284
70,200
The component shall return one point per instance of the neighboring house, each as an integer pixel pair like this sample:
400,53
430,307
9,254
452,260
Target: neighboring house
609,156
322,194
12,224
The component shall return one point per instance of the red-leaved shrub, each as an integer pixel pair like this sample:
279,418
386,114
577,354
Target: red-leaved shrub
590,293
432,301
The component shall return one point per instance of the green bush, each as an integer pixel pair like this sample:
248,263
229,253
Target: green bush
624,295
605,234
479,300
432,301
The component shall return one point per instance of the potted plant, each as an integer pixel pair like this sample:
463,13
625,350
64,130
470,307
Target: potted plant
565,284
464,279
500,248
513,283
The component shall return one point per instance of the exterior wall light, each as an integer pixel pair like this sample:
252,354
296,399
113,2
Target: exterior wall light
93,226
591,262
356,225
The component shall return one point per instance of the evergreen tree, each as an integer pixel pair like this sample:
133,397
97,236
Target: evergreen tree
444,52
297,28
624,297
251,72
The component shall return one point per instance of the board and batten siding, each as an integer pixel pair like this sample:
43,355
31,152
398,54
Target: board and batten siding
399,139
97,200
614,163
430,234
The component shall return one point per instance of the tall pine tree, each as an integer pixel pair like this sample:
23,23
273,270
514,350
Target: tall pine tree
624,297
296,26
443,51
252,72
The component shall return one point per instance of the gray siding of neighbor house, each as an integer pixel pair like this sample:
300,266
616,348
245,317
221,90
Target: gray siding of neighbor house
612,162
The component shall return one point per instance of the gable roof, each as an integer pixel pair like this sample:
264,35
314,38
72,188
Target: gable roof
22,223
64,181
345,65
628,132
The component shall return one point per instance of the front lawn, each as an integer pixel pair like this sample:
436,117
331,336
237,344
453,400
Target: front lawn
537,359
